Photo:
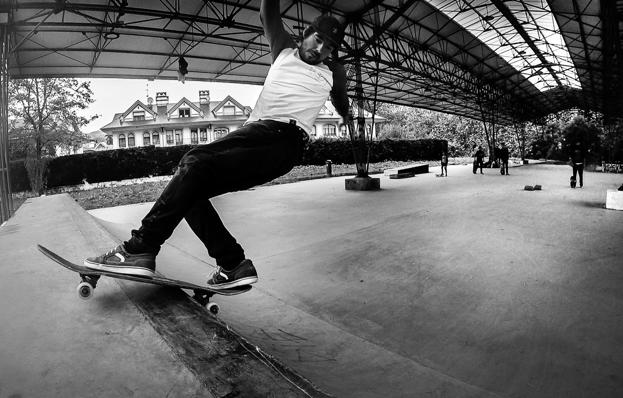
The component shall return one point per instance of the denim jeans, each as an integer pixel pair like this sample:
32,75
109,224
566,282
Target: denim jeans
254,154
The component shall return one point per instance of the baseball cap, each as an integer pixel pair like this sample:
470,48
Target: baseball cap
329,28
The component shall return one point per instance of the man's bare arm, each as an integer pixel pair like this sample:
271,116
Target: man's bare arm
339,97
278,38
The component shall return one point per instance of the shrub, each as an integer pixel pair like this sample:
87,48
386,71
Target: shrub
140,162
19,176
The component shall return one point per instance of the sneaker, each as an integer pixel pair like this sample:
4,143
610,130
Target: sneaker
243,274
118,260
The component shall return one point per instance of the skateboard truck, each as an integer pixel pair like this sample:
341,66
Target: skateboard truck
89,283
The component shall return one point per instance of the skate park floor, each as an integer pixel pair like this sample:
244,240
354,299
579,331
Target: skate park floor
465,286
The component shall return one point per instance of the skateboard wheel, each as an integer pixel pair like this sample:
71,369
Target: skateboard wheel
213,308
85,290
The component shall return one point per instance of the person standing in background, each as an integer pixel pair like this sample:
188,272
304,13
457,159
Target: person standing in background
577,163
479,157
504,159
444,162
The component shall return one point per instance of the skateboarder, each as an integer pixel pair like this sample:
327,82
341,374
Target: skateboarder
503,159
299,82
576,160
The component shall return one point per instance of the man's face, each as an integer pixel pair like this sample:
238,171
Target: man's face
314,49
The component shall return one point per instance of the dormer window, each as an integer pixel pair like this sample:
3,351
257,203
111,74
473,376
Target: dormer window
184,112
138,115
229,110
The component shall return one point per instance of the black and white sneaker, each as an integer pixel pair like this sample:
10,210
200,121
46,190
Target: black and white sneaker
243,274
118,260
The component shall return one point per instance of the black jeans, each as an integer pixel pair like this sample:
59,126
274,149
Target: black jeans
504,166
254,154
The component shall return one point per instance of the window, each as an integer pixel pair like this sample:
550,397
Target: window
146,139
138,115
229,110
344,131
218,133
203,135
156,138
169,134
109,140
329,130
313,133
121,140
131,140
194,137
179,139
184,112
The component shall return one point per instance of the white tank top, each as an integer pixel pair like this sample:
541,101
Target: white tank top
293,90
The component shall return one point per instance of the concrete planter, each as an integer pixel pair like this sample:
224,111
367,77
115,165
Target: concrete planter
363,184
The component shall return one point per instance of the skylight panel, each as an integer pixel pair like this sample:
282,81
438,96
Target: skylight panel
539,54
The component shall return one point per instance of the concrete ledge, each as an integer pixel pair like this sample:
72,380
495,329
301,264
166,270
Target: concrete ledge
614,199
407,171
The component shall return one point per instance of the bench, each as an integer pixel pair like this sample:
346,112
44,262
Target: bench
407,171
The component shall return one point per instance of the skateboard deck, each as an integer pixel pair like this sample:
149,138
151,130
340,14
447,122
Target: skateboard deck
89,277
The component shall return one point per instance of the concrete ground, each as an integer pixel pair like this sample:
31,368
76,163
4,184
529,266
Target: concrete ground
465,286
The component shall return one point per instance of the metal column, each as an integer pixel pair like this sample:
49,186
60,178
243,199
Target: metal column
6,197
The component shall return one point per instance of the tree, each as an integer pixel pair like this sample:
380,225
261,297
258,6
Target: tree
522,134
463,134
587,135
44,117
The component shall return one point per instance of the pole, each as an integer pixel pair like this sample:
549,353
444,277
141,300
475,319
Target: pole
6,197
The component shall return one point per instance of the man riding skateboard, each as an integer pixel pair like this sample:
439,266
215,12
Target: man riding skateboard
271,142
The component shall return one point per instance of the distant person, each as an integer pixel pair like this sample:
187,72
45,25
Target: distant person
479,158
300,80
444,163
503,154
577,163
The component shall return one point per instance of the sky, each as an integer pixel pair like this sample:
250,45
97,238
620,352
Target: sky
117,95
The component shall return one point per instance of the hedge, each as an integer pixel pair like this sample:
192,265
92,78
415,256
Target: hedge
341,151
113,165
19,176
140,162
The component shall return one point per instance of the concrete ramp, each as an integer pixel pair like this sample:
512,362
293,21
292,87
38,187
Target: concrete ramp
130,339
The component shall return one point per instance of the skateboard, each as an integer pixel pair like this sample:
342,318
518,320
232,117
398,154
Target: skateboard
89,278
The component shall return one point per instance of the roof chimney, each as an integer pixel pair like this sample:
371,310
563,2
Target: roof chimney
204,101
162,99
204,96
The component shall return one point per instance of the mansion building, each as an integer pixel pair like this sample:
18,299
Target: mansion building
165,124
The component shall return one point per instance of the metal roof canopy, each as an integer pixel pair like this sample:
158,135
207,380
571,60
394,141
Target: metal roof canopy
494,60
